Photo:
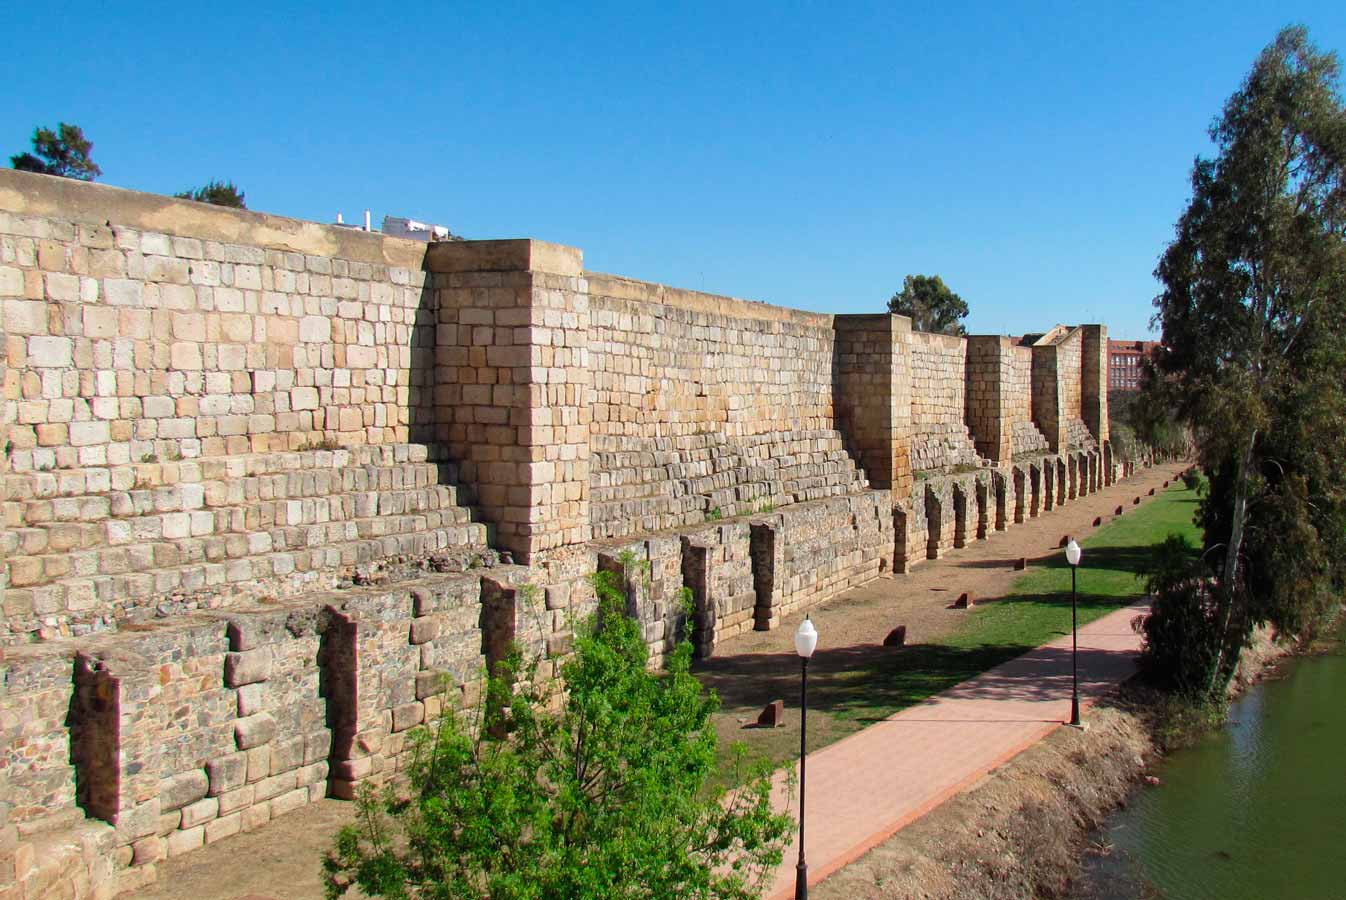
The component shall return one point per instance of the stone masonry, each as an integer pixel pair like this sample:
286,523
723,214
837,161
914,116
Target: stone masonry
276,493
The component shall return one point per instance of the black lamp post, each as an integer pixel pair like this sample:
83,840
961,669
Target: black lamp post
806,639
1073,554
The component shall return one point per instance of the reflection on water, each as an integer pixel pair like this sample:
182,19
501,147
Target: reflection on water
1257,810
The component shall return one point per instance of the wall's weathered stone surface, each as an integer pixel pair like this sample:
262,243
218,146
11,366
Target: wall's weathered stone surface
988,374
1025,437
134,342
872,395
1058,387
512,385
830,546
1094,381
705,404
940,440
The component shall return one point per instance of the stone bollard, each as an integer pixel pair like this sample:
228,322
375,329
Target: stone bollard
772,715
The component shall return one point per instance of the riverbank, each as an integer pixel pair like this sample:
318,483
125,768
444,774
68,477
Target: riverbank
1246,811
1025,829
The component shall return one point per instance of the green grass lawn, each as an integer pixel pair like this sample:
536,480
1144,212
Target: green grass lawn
877,683
1113,558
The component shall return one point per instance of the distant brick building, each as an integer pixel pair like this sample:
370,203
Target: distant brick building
1124,363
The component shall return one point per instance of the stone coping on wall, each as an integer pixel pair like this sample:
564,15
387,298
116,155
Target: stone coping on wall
623,288
47,196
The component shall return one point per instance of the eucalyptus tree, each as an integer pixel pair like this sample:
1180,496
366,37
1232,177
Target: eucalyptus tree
1253,312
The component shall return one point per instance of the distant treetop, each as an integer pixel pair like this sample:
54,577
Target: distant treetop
64,152
930,304
220,193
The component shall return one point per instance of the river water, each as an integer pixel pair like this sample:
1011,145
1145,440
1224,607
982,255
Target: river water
1256,810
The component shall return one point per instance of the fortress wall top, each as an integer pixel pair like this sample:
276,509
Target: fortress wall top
618,287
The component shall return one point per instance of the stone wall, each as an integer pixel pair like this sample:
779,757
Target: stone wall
175,375
263,479
135,341
1094,360
1025,436
939,430
1058,389
512,385
871,395
706,405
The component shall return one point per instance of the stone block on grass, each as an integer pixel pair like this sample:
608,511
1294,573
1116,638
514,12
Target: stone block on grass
897,637
772,715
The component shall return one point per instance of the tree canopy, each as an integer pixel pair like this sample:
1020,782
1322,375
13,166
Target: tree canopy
64,152
610,797
220,193
931,305
1253,312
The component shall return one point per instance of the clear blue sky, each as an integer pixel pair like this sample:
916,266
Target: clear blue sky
808,155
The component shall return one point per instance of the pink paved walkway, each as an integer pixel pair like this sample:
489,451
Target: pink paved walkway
865,787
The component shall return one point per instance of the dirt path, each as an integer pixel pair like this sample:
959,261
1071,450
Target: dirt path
282,861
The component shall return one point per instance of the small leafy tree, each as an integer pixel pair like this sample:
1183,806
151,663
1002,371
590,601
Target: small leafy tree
930,304
64,152
608,798
220,193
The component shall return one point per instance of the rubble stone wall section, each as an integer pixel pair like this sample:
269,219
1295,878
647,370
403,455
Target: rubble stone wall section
829,547
195,728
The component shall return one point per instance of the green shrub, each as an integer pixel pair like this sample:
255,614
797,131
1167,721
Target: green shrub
608,796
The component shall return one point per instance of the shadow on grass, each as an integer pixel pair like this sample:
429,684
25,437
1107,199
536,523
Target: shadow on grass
1006,563
869,682
860,677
